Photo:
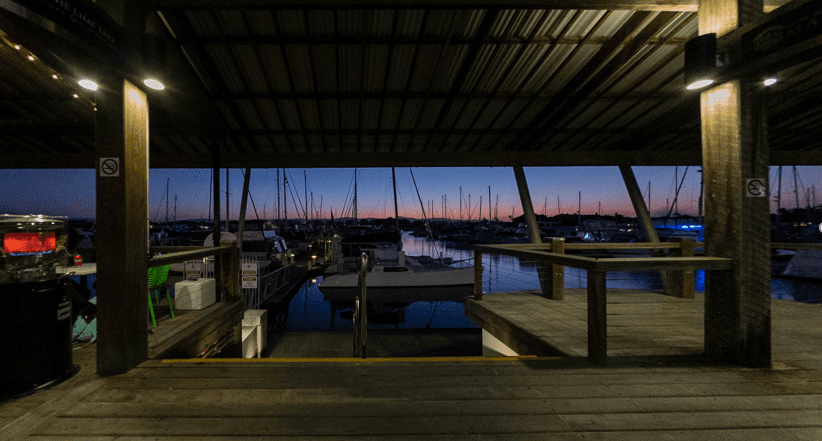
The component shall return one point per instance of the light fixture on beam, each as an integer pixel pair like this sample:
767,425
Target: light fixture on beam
154,61
154,84
770,81
700,61
88,84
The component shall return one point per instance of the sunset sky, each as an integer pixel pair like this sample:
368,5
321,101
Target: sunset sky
71,192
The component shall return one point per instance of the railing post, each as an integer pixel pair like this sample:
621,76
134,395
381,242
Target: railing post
597,318
556,278
234,277
477,274
681,282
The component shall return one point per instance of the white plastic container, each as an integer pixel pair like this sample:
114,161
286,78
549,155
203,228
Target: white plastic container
194,294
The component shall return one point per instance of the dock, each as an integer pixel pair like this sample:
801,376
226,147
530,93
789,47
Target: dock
639,323
635,396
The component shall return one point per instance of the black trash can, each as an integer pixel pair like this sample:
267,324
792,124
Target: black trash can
35,304
35,324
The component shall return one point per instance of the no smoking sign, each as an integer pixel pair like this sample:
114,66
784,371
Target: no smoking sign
109,167
756,188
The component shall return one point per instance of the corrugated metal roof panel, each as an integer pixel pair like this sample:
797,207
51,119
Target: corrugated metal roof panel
274,66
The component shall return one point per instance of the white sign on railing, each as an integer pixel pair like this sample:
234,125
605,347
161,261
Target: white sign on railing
249,275
194,269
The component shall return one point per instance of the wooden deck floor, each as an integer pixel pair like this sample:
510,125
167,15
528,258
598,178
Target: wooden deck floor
639,323
633,398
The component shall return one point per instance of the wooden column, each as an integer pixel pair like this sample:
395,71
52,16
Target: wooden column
681,282
597,318
533,228
121,144
557,276
734,149
477,275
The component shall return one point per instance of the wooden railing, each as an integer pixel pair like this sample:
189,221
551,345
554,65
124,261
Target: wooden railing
795,246
597,268
227,259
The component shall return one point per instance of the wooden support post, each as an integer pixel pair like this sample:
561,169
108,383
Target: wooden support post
556,278
734,150
643,215
477,275
681,283
533,228
243,206
121,144
215,158
638,202
597,318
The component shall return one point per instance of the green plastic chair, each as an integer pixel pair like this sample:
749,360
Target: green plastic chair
157,278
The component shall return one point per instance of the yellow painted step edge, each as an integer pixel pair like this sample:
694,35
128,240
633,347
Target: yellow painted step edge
353,360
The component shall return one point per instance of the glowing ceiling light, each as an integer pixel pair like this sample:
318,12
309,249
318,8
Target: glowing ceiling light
87,84
154,84
30,57
76,96
770,81
17,46
54,76
700,84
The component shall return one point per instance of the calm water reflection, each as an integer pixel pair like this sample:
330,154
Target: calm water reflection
310,310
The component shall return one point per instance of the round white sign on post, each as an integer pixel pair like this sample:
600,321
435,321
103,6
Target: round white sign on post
756,188
109,167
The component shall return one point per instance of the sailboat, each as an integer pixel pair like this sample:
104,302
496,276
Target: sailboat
392,274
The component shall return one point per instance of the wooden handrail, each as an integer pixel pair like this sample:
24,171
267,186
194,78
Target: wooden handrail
188,254
597,269
796,246
611,264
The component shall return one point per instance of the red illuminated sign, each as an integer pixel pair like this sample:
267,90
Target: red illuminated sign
22,243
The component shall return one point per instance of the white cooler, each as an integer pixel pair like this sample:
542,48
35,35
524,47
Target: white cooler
194,294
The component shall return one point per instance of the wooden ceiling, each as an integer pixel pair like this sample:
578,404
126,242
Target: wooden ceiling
328,83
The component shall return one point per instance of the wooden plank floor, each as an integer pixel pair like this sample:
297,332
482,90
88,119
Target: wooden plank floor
639,323
633,398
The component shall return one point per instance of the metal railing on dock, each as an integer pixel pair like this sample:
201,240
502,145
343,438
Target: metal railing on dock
552,255
361,311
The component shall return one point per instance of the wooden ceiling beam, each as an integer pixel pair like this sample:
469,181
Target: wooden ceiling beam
417,159
513,40
637,5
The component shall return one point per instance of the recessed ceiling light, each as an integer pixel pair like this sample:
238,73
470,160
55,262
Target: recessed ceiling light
76,96
30,57
770,81
87,84
55,77
154,84
17,46
700,84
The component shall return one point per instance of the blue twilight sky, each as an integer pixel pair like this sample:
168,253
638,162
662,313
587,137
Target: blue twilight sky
72,192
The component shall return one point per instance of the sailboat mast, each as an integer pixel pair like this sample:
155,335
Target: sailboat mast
396,209
285,199
579,213
167,201
460,202
795,187
226,199
278,198
489,204
355,193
